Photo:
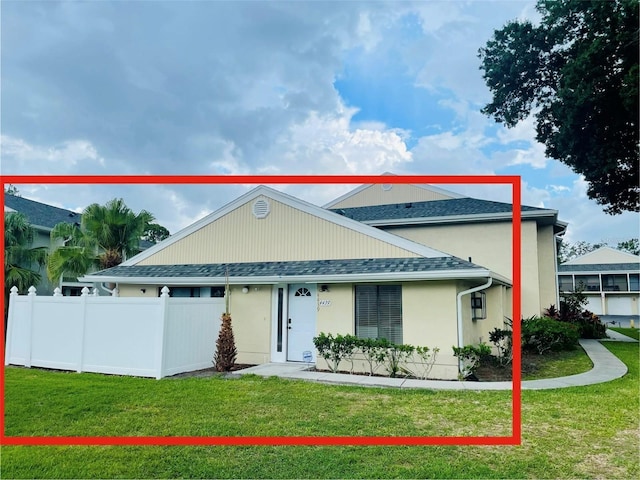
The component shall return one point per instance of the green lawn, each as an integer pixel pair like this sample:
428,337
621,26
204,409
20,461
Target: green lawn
582,432
556,364
629,332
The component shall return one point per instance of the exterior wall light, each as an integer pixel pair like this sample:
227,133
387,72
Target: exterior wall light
245,289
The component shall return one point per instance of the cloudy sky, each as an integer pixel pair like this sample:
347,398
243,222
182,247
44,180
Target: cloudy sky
265,87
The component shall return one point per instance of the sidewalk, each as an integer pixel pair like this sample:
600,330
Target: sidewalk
606,367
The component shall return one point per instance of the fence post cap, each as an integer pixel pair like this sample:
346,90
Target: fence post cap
57,292
164,291
85,292
14,290
32,290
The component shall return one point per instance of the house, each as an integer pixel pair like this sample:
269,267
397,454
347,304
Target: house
609,278
43,218
296,269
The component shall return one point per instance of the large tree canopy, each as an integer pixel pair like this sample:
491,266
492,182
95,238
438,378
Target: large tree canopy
108,235
155,233
22,261
577,73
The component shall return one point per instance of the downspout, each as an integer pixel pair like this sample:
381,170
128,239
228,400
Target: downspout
459,309
104,287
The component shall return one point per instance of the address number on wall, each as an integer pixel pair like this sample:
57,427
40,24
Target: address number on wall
325,303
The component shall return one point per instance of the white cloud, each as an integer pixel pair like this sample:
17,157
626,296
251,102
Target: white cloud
327,144
59,158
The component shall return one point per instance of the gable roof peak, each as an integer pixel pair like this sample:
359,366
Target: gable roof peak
604,255
427,187
296,203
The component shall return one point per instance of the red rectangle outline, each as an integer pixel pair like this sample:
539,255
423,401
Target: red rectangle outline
513,180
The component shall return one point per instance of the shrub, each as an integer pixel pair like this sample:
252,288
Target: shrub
425,359
503,341
541,334
572,311
335,349
470,357
374,352
590,326
225,356
396,356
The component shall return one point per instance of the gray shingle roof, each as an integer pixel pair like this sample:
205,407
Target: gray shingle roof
600,267
293,268
434,208
40,214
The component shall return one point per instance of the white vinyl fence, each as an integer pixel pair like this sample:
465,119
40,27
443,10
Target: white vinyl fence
146,337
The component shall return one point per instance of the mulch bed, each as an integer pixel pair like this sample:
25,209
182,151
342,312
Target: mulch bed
493,372
211,372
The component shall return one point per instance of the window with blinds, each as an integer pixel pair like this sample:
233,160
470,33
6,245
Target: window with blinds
379,312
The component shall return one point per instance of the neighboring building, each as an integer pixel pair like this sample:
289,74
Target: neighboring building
43,218
436,275
609,279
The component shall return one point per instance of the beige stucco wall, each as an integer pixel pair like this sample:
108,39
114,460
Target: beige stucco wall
251,317
547,267
477,331
338,316
399,193
429,320
489,245
240,237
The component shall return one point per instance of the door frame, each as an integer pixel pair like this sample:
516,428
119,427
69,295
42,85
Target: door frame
279,316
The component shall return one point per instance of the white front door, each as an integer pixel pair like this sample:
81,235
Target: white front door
301,323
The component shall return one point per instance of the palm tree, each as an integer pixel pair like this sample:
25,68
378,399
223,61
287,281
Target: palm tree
21,260
77,255
108,235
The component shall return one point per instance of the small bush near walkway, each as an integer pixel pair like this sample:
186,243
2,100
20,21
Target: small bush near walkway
543,334
398,360
573,311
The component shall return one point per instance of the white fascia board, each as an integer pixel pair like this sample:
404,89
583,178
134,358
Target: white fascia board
596,272
273,279
42,229
561,228
296,203
477,217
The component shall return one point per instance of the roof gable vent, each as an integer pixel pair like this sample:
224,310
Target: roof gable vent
261,208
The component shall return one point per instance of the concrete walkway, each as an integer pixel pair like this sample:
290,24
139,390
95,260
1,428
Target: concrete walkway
606,367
